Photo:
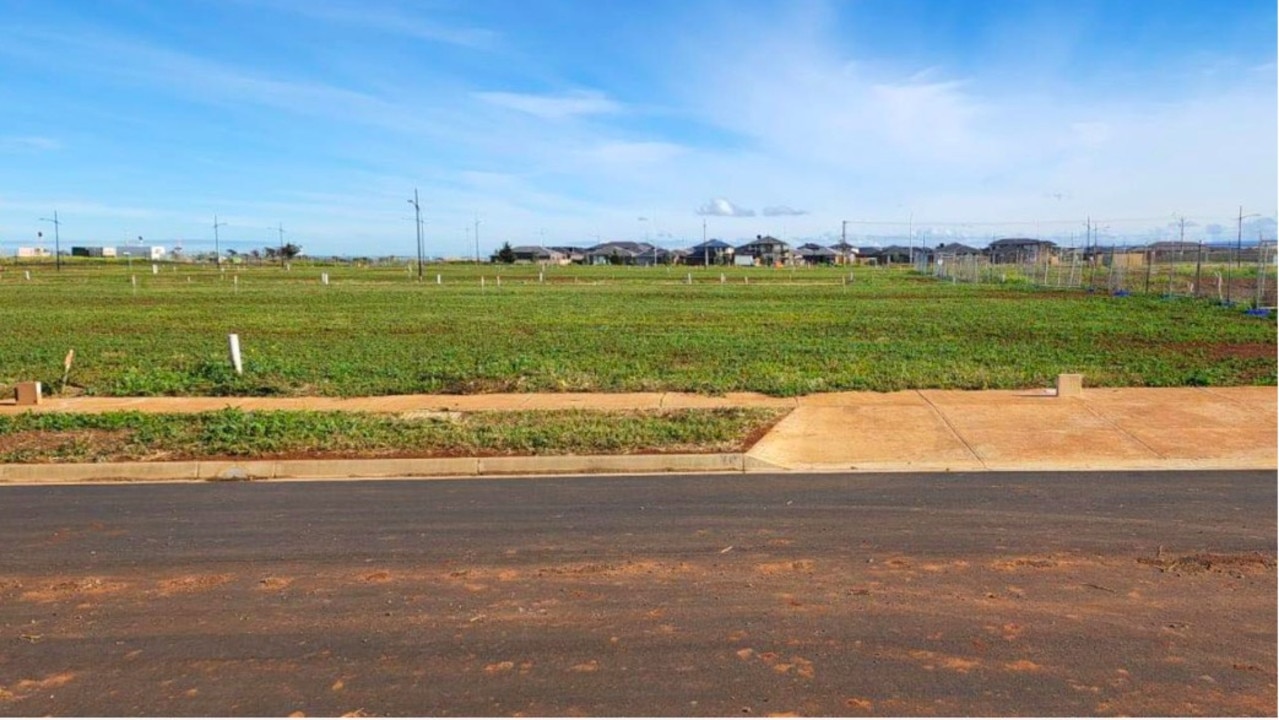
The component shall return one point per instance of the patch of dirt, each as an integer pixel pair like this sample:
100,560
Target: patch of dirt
48,442
1232,563
1242,351
776,568
66,589
192,583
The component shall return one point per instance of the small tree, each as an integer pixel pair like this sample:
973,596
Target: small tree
291,251
506,254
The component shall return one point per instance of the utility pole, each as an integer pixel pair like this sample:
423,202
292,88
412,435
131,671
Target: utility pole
477,240
417,226
57,244
217,248
910,239
281,244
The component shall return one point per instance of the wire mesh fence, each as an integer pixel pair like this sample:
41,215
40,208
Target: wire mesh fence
1238,276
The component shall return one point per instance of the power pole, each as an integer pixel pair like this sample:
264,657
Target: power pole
281,244
477,241
417,226
57,244
217,248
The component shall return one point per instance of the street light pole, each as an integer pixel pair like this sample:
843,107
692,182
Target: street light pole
217,246
57,245
417,217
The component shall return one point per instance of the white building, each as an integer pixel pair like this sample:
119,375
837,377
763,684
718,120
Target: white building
140,252
33,252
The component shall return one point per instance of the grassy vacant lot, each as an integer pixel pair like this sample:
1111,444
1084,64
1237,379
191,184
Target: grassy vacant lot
376,331
232,433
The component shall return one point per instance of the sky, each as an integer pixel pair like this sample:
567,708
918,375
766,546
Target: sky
570,122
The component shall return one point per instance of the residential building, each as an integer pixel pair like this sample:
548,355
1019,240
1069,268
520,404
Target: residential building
764,250
814,254
1022,250
711,252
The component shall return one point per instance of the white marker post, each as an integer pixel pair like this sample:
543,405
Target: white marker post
234,341
235,282
26,274
133,280
439,279
324,278
155,269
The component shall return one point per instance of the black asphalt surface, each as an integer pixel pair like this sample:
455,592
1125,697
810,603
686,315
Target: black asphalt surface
944,594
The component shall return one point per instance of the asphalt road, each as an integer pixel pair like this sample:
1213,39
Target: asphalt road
955,594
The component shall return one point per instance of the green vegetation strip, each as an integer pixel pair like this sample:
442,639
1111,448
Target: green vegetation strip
377,331
234,433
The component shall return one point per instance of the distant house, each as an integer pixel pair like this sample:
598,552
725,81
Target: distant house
888,255
711,252
536,254
571,254
955,250
33,252
847,254
814,254
765,250
1022,250
624,252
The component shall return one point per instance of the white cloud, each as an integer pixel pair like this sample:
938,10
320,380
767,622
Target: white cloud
554,107
722,207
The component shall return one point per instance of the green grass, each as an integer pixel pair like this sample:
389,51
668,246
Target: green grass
376,331
233,433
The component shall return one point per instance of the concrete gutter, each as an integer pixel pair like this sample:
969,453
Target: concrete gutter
224,470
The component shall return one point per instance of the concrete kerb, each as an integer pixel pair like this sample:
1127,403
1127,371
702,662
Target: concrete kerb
228,470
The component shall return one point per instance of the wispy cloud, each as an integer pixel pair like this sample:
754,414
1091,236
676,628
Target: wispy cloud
723,207
28,143
392,21
782,211
553,107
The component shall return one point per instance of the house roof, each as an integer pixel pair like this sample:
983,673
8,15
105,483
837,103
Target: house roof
532,249
957,249
813,249
845,247
623,247
1021,242
711,245
764,240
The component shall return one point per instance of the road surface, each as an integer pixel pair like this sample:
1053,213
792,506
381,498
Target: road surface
746,595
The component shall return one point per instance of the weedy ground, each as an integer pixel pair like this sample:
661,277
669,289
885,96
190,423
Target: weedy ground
233,433
377,330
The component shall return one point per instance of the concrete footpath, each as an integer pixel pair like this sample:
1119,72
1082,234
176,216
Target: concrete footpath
916,430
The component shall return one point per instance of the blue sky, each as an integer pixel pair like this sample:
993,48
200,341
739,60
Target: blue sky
563,121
